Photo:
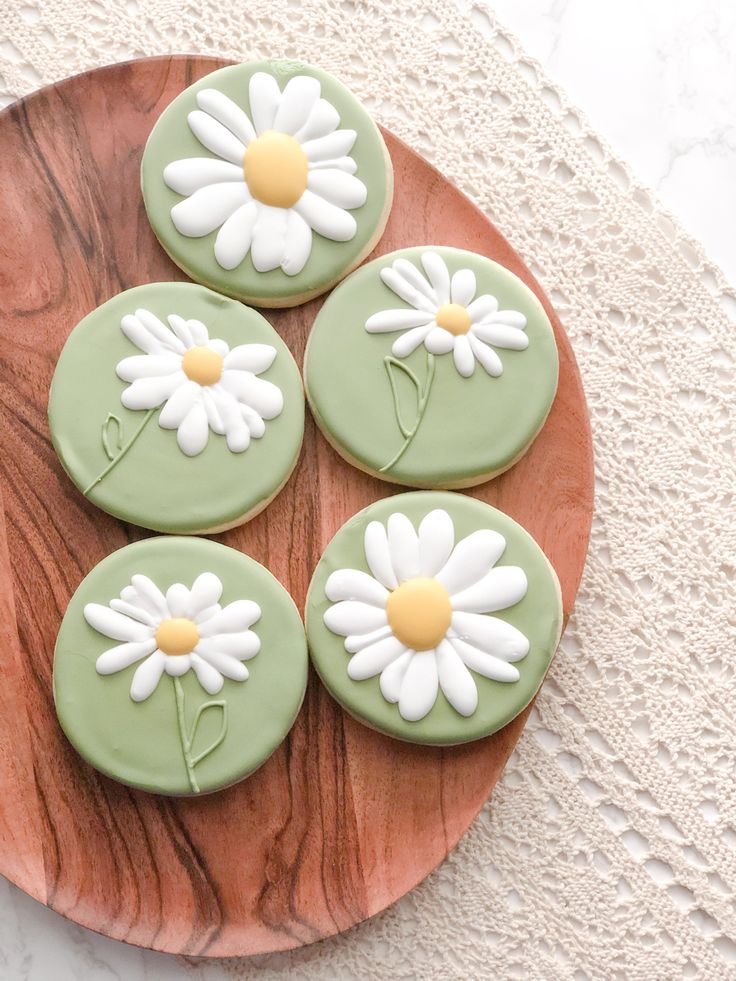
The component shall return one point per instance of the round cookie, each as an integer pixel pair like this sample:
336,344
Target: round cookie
180,666
177,409
432,367
267,181
433,617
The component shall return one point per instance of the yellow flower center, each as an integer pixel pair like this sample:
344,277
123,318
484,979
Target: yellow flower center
177,636
419,613
202,365
453,317
276,169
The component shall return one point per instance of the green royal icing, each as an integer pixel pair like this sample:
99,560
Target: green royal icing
538,615
125,462
140,743
463,428
172,139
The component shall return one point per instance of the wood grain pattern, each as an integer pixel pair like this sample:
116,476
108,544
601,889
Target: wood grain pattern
341,821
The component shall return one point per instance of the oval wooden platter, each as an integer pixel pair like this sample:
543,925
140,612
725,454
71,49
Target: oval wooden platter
341,821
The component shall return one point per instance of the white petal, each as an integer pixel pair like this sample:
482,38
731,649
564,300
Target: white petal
122,656
242,646
439,341
150,594
261,395
298,244
237,433
403,545
499,589
199,332
326,219
471,559
491,634
147,676
436,540
346,164
264,96
115,625
214,419
228,666
181,328
193,432
410,341
485,664
216,137
234,238
338,188
208,208
234,618
253,421
455,680
177,600
251,357
147,332
147,393
179,404
207,613
356,642
377,554
462,355
217,104
393,676
419,687
297,101
438,274
269,238
511,318
188,176
323,119
352,584
408,293
486,356
335,144
134,611
177,665
373,659
206,591
462,287
386,321
482,306
147,366
219,347
412,275
209,677
352,617
502,336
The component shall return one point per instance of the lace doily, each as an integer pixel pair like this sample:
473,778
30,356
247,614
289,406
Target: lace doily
608,849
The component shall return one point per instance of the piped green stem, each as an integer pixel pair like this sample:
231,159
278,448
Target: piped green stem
124,449
422,399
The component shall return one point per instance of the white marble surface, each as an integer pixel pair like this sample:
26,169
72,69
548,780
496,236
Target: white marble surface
657,78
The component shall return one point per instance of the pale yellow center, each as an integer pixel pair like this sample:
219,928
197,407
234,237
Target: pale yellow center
202,365
276,169
419,613
177,636
454,317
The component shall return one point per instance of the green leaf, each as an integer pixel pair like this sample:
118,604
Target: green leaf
398,374
112,436
222,705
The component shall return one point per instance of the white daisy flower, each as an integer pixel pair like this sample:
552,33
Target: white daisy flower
275,177
173,633
420,620
200,382
445,315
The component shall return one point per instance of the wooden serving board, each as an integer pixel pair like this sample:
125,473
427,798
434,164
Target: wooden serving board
341,821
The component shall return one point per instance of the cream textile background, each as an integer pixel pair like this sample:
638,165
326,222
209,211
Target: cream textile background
609,847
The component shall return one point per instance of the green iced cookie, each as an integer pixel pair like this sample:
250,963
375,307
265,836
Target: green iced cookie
180,666
267,181
177,409
433,617
432,367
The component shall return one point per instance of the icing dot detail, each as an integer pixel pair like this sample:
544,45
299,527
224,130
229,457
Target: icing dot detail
202,365
276,169
454,318
419,613
176,636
